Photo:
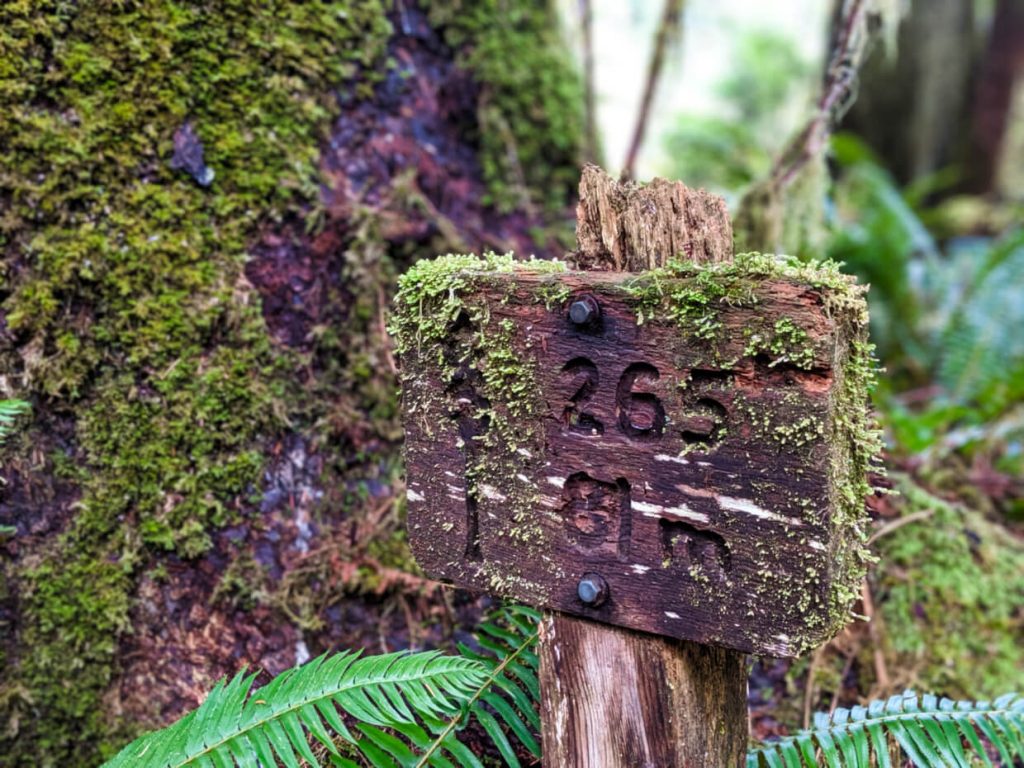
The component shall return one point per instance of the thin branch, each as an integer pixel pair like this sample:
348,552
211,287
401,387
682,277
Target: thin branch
589,97
881,670
812,670
836,96
670,27
899,522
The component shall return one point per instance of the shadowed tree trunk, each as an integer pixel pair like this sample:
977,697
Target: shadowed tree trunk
911,104
999,83
944,98
202,212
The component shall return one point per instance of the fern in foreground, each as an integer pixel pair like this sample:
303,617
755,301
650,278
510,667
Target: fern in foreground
270,726
407,709
929,731
503,703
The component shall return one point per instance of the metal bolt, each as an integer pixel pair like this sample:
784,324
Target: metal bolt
584,311
592,589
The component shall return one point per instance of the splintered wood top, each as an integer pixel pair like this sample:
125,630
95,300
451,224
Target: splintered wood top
685,464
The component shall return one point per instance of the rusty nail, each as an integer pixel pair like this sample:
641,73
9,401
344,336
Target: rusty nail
592,589
584,311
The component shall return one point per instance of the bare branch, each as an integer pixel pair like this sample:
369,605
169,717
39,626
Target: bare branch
669,28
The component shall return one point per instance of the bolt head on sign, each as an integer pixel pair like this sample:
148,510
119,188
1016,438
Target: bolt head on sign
682,451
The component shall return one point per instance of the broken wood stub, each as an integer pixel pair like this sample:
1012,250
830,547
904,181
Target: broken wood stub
629,227
690,459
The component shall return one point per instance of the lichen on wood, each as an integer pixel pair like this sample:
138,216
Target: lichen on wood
818,423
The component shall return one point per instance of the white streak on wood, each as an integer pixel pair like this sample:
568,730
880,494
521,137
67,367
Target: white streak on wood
674,459
413,495
815,544
492,493
672,615
524,452
681,512
523,478
640,570
750,508
558,482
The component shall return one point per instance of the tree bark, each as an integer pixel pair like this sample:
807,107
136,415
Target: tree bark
997,82
612,698
200,234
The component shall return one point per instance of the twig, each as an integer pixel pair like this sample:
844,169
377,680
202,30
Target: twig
840,79
899,522
589,97
809,686
881,670
847,666
669,27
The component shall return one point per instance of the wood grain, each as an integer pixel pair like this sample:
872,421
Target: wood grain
630,227
695,477
619,699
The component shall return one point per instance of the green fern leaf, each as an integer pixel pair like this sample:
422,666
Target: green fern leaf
930,732
236,726
510,691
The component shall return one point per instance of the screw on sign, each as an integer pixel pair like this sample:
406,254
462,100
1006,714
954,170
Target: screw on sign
670,457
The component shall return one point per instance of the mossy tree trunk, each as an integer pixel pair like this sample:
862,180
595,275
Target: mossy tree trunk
211,475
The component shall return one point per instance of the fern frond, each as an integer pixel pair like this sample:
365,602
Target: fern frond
9,411
981,348
505,702
235,726
930,732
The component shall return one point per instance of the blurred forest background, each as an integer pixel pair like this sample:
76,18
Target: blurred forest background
203,210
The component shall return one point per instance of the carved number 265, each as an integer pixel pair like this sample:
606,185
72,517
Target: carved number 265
640,414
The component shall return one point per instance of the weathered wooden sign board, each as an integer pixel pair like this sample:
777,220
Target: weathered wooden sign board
680,451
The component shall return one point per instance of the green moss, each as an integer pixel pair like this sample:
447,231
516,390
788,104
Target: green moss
949,598
130,294
531,106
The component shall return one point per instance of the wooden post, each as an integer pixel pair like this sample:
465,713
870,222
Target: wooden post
613,698
670,461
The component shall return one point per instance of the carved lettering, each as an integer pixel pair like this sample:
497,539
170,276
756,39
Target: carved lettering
597,514
641,414
702,553
584,382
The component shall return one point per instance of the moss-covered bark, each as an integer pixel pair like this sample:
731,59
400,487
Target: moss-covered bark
137,315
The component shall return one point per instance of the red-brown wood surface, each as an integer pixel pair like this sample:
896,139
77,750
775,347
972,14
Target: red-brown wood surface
693,477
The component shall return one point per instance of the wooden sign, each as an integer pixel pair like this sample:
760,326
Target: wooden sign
679,451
